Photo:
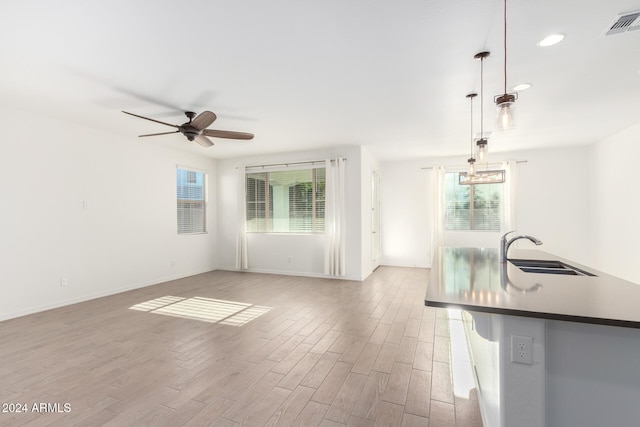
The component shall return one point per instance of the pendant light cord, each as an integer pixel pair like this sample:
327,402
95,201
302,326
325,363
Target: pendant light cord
481,98
471,127
505,46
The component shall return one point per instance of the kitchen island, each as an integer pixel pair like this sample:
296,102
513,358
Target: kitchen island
580,360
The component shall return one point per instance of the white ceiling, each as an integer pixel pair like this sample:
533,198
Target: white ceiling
390,75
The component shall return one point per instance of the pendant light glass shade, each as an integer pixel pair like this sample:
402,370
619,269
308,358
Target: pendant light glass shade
472,167
505,111
482,151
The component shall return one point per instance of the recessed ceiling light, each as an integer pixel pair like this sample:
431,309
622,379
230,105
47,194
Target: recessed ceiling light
551,40
521,86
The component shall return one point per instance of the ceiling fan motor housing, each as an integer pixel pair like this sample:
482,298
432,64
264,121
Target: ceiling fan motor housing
189,131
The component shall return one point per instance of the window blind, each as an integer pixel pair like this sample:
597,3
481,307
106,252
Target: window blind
287,201
191,201
471,207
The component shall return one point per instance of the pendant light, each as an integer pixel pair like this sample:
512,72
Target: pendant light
482,143
505,103
472,160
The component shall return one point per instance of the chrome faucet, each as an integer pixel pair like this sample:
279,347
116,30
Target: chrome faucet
504,244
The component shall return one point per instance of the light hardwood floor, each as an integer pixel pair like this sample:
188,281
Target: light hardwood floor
326,353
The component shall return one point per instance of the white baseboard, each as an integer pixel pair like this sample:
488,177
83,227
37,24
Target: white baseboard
88,297
385,264
289,273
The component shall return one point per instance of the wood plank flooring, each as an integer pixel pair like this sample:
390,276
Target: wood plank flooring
326,353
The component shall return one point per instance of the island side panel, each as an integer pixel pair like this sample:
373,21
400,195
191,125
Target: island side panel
510,394
593,375
522,386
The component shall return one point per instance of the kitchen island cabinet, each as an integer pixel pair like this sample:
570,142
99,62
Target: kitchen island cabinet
583,330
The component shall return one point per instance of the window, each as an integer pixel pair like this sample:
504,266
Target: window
471,207
191,201
290,201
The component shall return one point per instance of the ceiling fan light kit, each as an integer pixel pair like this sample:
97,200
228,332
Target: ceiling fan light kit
196,128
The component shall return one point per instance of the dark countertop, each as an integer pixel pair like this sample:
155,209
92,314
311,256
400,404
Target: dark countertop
474,279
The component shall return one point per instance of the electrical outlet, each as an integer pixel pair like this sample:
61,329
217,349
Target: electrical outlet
522,349
64,281
289,259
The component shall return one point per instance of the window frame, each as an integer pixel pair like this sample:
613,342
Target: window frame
317,223
471,227
190,177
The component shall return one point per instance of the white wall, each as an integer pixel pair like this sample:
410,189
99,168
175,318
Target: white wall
297,254
554,196
288,254
405,213
552,204
369,164
96,208
615,204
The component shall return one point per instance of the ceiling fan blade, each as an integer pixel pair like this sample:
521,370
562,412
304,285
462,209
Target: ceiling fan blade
161,133
227,134
150,100
203,120
152,120
203,140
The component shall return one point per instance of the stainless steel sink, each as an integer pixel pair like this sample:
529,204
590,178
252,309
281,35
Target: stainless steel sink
544,266
533,263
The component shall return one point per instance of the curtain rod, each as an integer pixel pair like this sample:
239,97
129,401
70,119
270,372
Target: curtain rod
310,162
456,166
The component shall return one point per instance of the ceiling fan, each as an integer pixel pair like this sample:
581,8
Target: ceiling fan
196,128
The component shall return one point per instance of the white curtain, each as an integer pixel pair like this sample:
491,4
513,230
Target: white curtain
335,219
242,261
437,223
508,222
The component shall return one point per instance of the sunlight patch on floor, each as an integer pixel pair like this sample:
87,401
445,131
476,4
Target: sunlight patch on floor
211,310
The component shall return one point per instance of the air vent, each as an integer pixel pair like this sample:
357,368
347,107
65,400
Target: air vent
623,23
